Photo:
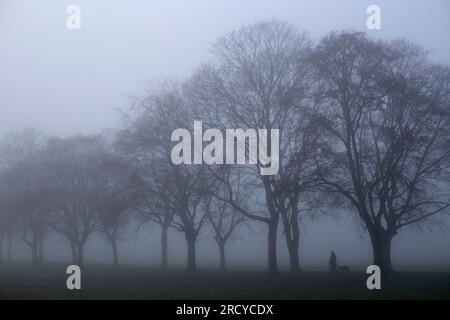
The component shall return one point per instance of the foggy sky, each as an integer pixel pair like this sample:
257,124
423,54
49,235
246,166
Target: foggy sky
67,82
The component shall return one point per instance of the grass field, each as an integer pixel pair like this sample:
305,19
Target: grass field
21,281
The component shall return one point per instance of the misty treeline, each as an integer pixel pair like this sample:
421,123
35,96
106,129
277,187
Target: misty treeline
364,130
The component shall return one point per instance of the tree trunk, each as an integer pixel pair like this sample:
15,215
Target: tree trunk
79,254
35,252
115,252
273,227
41,250
191,262
164,260
221,244
292,235
111,235
10,234
73,248
381,246
1,246
272,247
292,246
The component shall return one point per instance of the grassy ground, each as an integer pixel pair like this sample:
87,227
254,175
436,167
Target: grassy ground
21,281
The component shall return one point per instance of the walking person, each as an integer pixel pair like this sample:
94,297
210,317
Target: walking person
333,263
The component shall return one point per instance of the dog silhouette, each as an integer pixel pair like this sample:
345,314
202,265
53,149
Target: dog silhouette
344,269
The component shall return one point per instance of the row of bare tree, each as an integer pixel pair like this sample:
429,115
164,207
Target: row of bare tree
364,129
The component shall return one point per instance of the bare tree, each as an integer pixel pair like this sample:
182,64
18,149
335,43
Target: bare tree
260,79
385,110
78,183
9,218
224,220
154,208
26,194
6,216
118,198
180,188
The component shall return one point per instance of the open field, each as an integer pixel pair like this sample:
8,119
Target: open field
21,281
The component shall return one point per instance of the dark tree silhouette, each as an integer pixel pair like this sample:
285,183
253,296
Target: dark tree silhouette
260,79
146,137
385,110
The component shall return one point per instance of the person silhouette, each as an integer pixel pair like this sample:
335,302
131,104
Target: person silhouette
333,262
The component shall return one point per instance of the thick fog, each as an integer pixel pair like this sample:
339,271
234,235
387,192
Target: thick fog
67,82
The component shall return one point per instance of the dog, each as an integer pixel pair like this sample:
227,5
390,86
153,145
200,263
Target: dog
343,269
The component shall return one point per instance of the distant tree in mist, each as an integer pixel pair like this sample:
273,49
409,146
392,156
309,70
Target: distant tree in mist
78,182
6,220
9,222
224,219
154,208
24,188
117,200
